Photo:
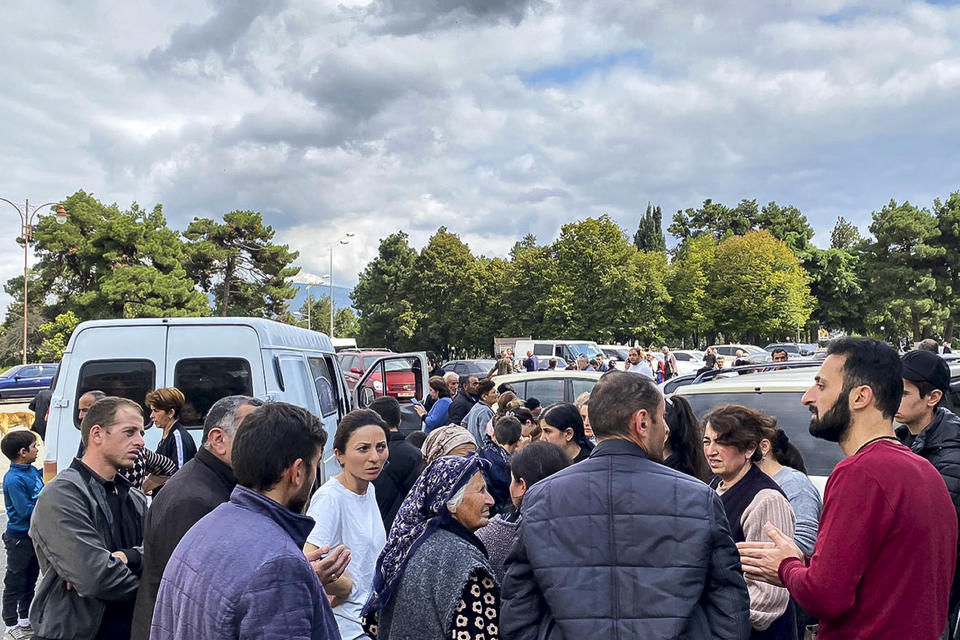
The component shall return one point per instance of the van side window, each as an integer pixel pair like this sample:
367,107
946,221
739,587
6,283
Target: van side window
130,379
203,381
540,350
326,385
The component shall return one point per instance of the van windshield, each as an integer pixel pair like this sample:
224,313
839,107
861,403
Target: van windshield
584,349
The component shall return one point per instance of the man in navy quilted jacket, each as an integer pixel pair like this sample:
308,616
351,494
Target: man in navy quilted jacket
620,546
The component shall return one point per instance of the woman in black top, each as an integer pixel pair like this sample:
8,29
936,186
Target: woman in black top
563,426
166,406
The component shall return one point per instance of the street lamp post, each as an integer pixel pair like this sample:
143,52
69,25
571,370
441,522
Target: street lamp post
26,230
314,281
344,240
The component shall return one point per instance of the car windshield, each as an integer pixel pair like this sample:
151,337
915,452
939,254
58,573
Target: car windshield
369,360
752,349
9,373
584,349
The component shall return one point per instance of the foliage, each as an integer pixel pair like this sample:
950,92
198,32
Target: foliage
690,312
56,335
386,314
649,235
845,235
716,220
108,263
757,288
237,262
314,314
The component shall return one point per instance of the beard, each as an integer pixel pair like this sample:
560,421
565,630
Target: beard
299,502
833,424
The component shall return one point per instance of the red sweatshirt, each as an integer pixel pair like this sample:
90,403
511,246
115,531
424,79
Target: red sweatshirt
885,554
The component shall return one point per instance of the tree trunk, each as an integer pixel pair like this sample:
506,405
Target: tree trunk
948,330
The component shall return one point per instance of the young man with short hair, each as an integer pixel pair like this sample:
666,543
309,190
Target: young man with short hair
932,431
403,465
21,487
240,572
87,529
204,483
892,578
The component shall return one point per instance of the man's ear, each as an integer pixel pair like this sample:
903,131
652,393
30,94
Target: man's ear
934,397
639,424
861,397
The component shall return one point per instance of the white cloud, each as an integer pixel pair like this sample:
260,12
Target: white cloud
495,119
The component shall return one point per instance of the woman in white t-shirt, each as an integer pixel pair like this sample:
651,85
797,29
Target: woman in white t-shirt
346,513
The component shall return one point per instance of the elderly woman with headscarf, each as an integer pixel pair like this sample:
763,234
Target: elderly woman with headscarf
434,579
450,440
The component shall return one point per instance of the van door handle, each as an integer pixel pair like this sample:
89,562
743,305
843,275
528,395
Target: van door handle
60,403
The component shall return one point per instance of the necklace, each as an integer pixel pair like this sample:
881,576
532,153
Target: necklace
877,439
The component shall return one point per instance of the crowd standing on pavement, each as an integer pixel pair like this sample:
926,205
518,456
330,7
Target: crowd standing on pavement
622,515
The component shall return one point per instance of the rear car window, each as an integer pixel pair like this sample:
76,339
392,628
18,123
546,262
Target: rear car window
130,379
819,456
203,381
546,391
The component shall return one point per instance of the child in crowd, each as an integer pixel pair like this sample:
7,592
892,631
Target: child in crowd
21,486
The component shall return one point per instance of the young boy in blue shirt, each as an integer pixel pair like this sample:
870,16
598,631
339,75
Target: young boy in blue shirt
21,486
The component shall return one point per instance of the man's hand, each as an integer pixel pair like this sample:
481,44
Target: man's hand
332,566
121,555
761,560
151,482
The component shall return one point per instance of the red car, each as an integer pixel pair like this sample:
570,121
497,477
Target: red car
401,380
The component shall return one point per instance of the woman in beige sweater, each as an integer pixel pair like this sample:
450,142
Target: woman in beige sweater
731,439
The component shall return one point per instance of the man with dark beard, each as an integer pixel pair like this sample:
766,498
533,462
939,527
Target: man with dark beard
240,571
882,505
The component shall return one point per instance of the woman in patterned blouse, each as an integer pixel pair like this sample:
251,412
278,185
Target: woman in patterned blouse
433,579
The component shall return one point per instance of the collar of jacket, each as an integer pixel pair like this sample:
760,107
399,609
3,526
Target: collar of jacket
618,447
943,431
218,466
297,526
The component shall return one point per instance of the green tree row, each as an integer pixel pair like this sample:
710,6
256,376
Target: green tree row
738,273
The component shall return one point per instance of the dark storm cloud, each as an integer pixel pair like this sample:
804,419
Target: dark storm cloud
406,17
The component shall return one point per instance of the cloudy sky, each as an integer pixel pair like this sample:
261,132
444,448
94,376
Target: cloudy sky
495,118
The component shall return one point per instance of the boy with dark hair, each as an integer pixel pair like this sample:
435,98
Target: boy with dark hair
506,440
21,486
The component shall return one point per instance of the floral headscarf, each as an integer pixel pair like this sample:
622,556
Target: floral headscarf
442,440
423,510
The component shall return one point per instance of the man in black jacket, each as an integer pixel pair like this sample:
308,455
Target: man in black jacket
932,432
620,546
466,398
40,405
403,466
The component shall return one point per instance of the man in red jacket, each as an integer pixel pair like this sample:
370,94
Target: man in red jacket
884,559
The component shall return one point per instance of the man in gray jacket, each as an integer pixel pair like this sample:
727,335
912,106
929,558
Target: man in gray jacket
87,529
620,546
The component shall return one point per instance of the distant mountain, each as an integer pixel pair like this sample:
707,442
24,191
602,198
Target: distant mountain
341,295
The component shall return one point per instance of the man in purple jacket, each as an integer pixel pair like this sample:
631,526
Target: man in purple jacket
240,572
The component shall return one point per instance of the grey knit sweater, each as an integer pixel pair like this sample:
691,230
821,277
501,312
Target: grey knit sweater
430,589
498,537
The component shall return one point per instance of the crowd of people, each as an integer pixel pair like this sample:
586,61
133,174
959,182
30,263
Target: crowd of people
621,515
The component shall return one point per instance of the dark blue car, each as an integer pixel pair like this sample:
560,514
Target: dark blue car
25,380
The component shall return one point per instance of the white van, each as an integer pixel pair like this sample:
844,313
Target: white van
568,350
207,359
